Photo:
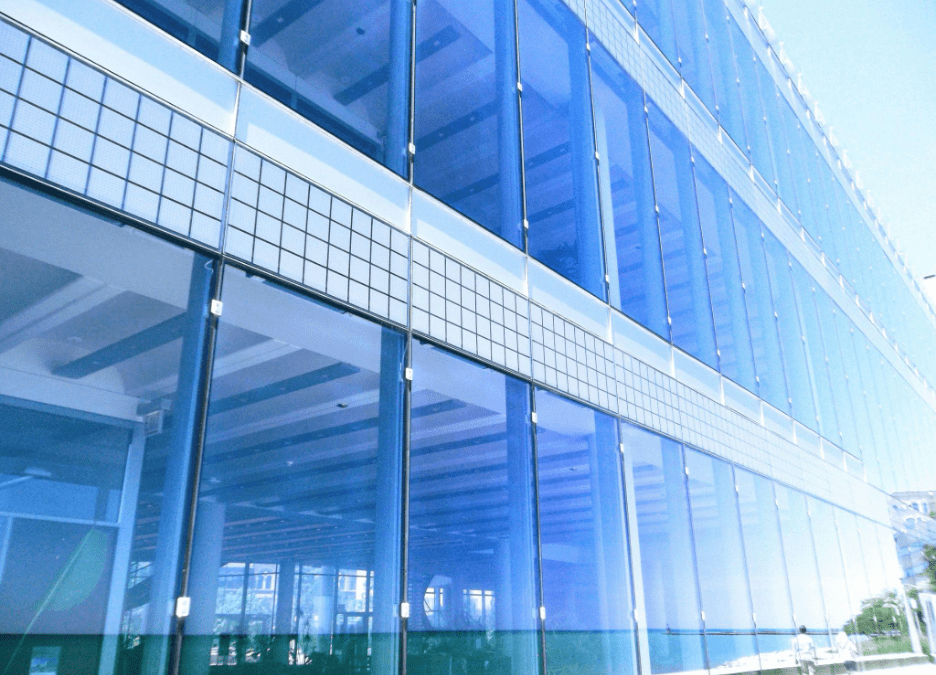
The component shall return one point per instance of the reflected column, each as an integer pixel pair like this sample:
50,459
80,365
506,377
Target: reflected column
522,544
387,549
283,620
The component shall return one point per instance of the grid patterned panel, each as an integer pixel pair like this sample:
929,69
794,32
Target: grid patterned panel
284,223
453,303
572,359
659,402
70,124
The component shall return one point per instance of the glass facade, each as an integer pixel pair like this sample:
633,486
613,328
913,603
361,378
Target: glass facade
326,445
518,116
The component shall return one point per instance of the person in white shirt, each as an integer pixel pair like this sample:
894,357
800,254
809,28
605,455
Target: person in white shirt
848,650
805,651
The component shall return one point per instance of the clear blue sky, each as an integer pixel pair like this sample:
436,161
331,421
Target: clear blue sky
872,68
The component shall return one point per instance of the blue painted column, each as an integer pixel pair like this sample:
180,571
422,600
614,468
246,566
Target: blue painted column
229,43
389,505
398,87
508,122
176,491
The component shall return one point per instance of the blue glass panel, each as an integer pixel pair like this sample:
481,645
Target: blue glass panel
857,388
735,358
210,26
472,538
671,595
765,341
632,237
827,233
792,341
656,17
837,373
723,582
724,73
747,64
854,559
897,395
804,284
586,576
869,361
763,553
773,100
344,64
831,570
687,293
467,119
558,145
852,382
801,562
694,61
849,249
296,555
103,344
796,137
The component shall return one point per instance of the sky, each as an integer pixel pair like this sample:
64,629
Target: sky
871,66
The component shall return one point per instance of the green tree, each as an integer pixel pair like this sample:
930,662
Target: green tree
929,555
881,614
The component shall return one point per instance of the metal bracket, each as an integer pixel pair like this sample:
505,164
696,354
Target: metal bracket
245,38
404,610
216,307
183,606
533,417
542,613
408,374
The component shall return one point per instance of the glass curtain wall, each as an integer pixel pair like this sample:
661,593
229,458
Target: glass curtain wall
467,114
211,27
586,575
343,64
720,556
558,144
472,575
817,368
765,340
733,337
802,565
687,290
792,342
102,333
296,553
766,568
829,555
352,68
675,637
631,234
